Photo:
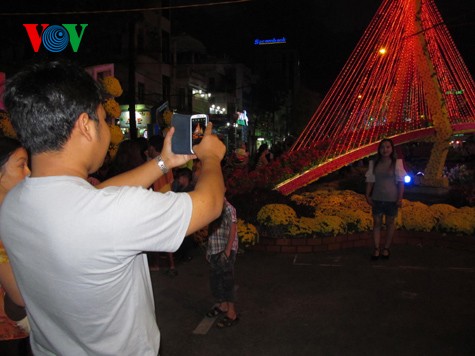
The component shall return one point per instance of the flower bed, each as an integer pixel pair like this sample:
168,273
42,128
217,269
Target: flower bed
338,219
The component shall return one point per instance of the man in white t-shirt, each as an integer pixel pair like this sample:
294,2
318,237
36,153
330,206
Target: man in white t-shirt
76,250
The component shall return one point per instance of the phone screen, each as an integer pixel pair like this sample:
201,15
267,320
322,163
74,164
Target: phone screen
198,126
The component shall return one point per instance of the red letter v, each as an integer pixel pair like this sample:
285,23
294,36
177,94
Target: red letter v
35,38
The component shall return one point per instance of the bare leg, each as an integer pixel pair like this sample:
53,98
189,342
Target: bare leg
231,314
390,228
223,306
231,310
377,233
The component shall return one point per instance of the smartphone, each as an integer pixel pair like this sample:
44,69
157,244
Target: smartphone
189,130
198,126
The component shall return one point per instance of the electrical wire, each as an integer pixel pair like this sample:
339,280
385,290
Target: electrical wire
99,12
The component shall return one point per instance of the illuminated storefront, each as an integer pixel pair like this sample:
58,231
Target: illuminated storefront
142,119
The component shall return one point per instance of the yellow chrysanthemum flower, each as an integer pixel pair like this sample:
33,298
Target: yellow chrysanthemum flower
116,134
442,210
329,225
469,210
6,127
459,222
355,220
112,86
418,217
339,212
113,150
276,214
112,108
323,225
303,226
247,233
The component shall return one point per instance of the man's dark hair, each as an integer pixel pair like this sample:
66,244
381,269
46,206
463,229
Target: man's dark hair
45,100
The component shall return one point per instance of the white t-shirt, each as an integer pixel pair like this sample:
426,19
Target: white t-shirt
77,256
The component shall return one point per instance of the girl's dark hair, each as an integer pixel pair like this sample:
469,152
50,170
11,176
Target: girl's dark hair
7,147
393,153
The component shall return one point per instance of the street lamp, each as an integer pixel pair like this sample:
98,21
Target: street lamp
217,109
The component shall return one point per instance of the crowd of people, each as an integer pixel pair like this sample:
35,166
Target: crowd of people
242,159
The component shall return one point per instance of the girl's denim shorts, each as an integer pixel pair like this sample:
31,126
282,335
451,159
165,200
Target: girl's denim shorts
388,208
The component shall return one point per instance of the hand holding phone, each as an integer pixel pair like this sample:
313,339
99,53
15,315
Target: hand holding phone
189,130
211,146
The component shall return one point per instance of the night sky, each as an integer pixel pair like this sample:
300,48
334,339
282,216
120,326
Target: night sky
324,32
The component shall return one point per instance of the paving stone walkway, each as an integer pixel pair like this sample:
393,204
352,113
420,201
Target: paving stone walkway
419,302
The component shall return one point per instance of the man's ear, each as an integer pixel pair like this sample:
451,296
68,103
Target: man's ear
83,125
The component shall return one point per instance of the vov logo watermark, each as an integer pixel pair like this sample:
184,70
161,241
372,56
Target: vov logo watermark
55,38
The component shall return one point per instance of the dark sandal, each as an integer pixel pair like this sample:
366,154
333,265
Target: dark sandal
386,253
215,311
376,254
226,322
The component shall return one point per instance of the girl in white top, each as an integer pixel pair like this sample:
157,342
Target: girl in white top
384,190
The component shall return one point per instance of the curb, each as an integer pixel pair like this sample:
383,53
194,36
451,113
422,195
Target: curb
361,239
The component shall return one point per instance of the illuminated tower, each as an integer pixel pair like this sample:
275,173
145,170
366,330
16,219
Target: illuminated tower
405,80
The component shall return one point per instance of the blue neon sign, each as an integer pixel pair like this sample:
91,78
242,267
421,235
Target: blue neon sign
270,41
